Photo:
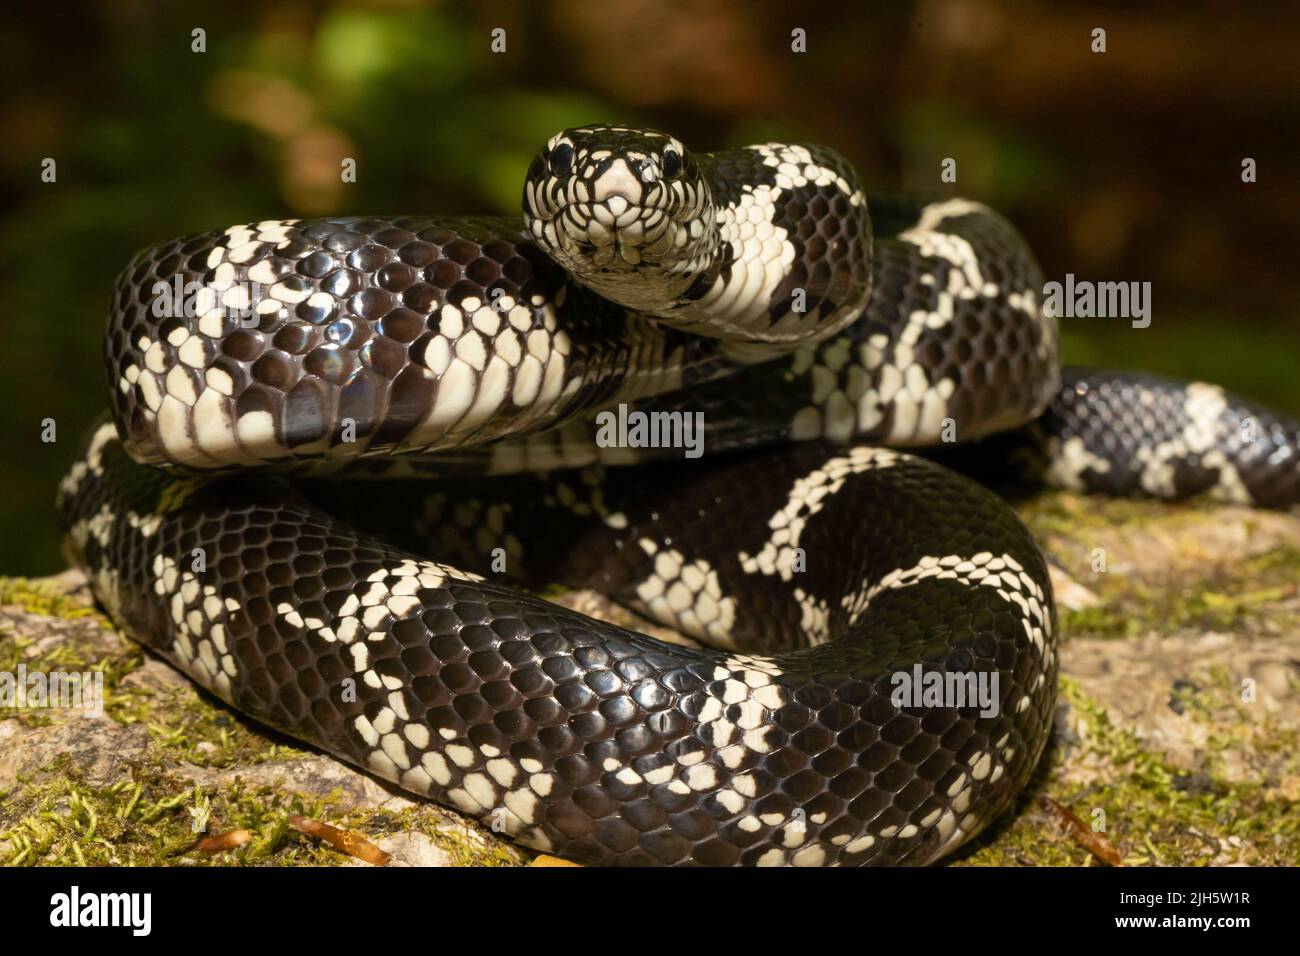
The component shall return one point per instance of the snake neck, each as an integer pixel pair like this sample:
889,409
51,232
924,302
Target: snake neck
790,262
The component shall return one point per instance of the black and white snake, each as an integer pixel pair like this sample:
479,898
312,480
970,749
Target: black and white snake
743,291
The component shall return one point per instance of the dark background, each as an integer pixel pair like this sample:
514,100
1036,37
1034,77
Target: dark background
1118,166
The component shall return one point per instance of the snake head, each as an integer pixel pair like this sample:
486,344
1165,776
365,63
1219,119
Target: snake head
628,212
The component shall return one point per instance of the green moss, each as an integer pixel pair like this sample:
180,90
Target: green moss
192,727
1065,513
1197,592
1223,598
78,652
46,599
152,819
471,846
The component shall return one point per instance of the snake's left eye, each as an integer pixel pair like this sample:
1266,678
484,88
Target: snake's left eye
671,163
562,159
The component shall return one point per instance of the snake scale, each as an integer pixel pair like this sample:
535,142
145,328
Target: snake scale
343,396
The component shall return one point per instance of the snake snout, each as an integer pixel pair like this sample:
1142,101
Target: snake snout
617,181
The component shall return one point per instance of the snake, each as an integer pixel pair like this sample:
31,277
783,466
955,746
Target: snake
347,462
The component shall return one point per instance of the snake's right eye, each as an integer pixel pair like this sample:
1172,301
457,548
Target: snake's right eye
672,163
562,159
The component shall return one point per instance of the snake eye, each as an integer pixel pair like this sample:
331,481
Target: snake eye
562,159
672,163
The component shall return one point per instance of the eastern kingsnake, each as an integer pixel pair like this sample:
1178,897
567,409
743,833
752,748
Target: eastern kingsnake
746,285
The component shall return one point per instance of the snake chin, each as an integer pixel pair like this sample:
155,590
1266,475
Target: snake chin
615,236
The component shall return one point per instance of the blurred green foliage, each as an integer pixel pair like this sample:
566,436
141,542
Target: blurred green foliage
152,139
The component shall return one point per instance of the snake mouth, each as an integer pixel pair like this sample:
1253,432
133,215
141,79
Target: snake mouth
612,234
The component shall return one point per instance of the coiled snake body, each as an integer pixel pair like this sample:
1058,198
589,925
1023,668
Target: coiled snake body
742,291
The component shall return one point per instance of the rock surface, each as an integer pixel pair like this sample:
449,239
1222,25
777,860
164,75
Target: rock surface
1176,736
